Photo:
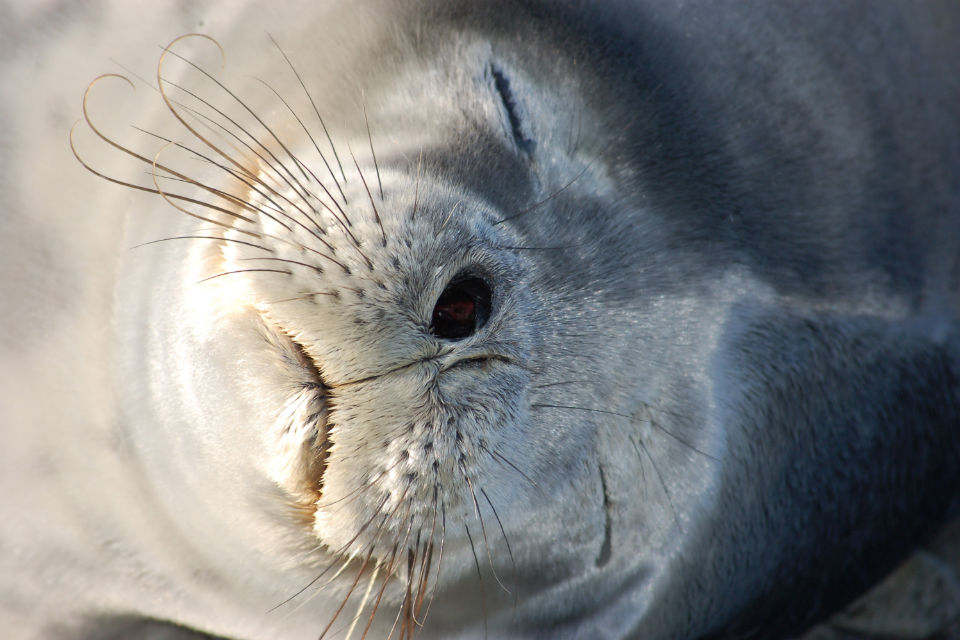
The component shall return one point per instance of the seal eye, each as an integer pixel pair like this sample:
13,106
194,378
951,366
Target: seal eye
462,308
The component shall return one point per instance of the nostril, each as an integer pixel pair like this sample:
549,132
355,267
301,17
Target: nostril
462,308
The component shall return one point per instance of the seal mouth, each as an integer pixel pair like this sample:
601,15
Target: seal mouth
304,425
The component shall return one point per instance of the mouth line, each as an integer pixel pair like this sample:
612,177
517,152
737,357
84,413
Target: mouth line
470,360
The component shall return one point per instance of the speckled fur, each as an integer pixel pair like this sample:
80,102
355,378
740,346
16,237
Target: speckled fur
717,395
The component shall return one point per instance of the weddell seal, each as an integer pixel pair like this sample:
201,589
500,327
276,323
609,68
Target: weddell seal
477,319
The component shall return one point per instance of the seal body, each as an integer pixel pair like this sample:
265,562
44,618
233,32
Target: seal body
466,319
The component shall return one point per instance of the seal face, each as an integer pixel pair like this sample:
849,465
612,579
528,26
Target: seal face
487,319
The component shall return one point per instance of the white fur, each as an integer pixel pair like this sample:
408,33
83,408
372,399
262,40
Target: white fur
157,455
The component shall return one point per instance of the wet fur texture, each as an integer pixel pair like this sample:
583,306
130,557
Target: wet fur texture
717,396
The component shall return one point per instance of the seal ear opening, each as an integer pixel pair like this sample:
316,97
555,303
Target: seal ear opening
501,83
462,309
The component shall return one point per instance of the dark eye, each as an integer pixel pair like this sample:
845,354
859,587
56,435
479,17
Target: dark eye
462,308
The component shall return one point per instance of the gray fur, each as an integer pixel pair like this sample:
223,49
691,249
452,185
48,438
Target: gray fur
718,394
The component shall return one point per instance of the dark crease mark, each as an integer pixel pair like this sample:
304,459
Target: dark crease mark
502,84
605,548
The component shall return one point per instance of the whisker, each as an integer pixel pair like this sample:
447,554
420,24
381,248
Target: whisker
369,195
305,296
416,188
502,458
389,574
423,580
505,539
343,549
346,598
406,631
258,180
630,418
179,118
561,248
226,196
363,602
557,384
213,125
483,531
453,209
540,203
216,238
483,592
376,606
336,574
427,558
246,107
473,548
252,182
345,222
304,170
169,197
353,494
372,152
153,164
639,446
302,264
443,533
230,273
320,119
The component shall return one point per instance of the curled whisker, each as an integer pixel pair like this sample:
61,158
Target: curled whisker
167,197
160,83
251,181
170,105
152,163
257,180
